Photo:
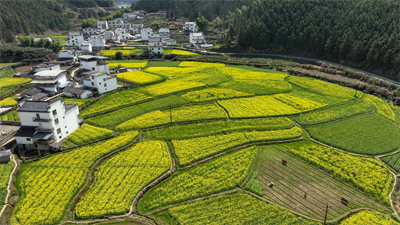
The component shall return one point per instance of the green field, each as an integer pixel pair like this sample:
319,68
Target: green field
85,134
5,171
164,63
370,134
11,116
393,161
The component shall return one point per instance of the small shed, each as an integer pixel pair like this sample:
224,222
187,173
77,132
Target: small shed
77,92
5,156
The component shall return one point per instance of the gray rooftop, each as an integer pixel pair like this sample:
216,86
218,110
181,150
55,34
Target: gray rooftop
34,106
5,153
92,57
26,131
74,33
75,90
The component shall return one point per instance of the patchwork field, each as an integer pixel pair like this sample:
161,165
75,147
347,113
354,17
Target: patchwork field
209,140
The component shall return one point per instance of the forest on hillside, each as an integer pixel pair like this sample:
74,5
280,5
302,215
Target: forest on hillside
359,33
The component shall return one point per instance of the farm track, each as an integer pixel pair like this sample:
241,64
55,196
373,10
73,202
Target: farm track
91,173
6,202
295,186
135,218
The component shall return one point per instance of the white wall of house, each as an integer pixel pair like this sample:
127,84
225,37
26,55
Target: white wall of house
103,83
197,38
49,67
68,54
86,46
191,26
24,140
89,30
146,32
93,66
75,40
97,41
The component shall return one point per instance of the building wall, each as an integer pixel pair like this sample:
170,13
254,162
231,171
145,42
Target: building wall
50,67
105,85
76,40
62,79
146,32
86,94
97,41
156,49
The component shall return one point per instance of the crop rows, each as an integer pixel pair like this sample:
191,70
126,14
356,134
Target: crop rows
368,217
181,114
238,208
220,174
8,101
164,63
211,94
217,127
179,52
114,100
370,134
139,77
120,178
393,161
78,101
367,174
5,171
169,87
127,63
87,133
243,74
6,82
48,185
10,116
200,64
258,87
334,113
119,116
297,178
191,150
381,107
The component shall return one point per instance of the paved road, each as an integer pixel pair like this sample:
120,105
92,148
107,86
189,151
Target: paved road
308,59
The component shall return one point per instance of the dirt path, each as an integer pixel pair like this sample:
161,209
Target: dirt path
9,185
73,72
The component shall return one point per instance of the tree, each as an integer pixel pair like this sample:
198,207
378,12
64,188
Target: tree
91,22
56,47
119,55
202,22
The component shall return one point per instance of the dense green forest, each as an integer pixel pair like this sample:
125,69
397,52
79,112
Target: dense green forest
360,33
26,16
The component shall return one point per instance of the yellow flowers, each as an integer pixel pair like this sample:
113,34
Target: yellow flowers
139,77
5,171
367,174
48,185
121,177
170,87
242,74
213,94
220,174
238,208
8,101
5,82
191,150
381,106
78,101
127,63
368,217
124,52
200,64
87,133
180,52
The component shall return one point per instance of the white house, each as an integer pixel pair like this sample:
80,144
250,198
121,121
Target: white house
97,41
109,35
45,123
155,45
50,80
77,92
197,38
89,30
137,26
68,55
129,16
190,26
164,32
115,22
168,41
146,32
94,63
45,66
74,39
85,46
103,25
100,80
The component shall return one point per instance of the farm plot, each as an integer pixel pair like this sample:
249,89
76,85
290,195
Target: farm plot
179,52
258,87
218,127
208,76
7,82
140,77
334,113
182,114
114,118
115,100
220,174
368,217
164,63
127,63
120,178
381,107
86,133
367,174
293,180
262,106
169,87
393,161
370,134
244,74
396,111
200,64
8,101
10,116
79,102
238,208
191,150
111,53
5,171
211,94
48,185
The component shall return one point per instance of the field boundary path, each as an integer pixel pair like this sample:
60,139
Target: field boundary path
110,219
91,173
9,185
391,193
139,195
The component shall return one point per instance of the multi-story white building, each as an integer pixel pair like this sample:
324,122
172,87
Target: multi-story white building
129,16
116,22
100,80
155,45
45,66
190,26
110,35
50,80
68,55
74,39
103,25
137,26
197,38
45,123
146,33
85,46
94,63
97,41
168,41
164,32
89,30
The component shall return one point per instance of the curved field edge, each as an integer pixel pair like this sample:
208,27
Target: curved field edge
12,195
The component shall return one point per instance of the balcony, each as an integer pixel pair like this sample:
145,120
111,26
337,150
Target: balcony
47,130
38,119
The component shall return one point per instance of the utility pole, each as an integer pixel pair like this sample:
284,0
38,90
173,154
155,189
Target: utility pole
326,212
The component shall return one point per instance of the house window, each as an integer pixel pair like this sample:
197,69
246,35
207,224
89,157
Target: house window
105,85
100,83
104,79
56,121
66,132
58,130
54,112
92,84
28,139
